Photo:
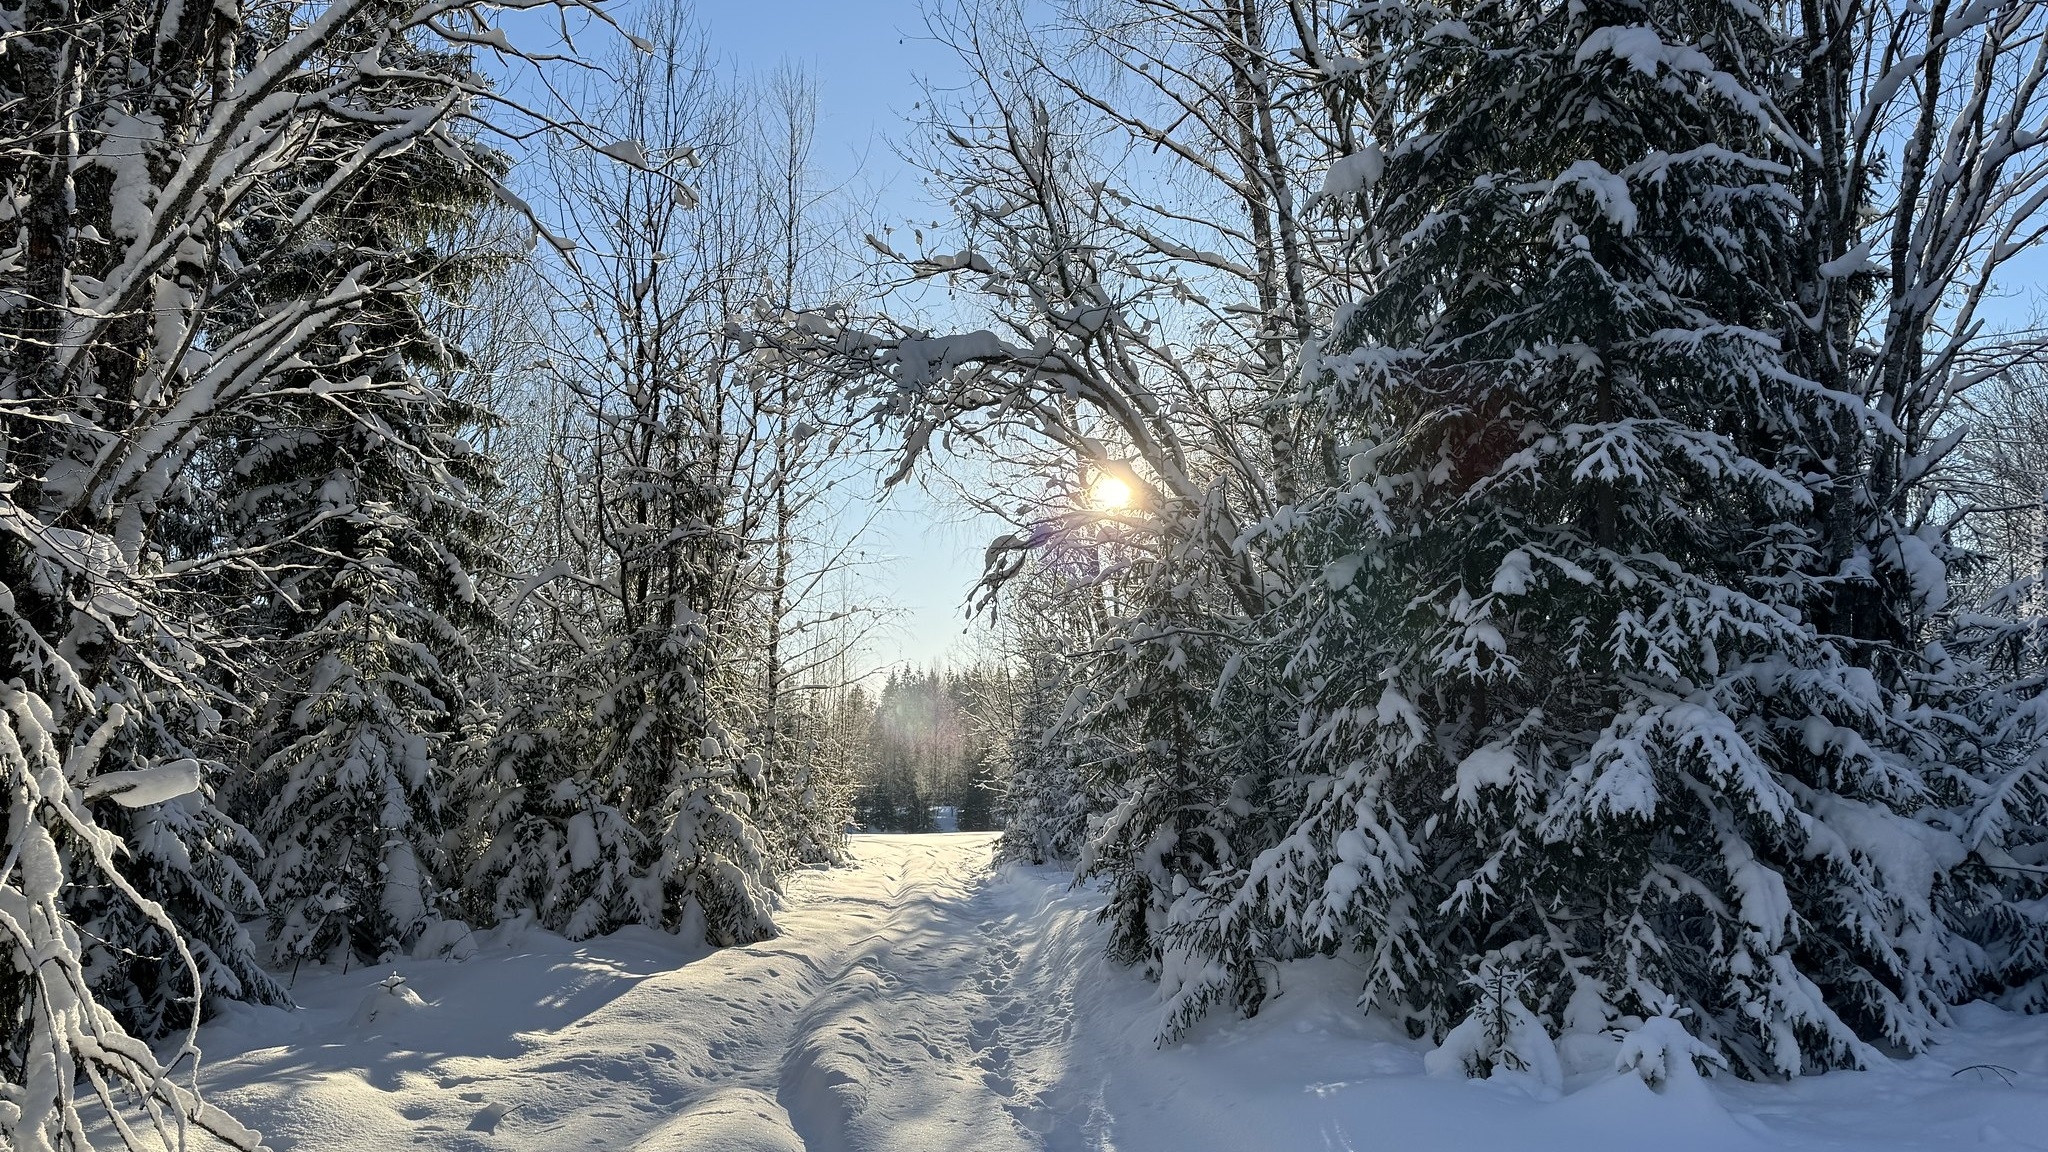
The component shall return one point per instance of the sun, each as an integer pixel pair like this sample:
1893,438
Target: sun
1109,493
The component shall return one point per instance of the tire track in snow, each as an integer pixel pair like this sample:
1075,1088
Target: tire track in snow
888,981
883,1058
893,1014
771,1047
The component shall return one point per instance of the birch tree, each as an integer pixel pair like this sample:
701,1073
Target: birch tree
653,767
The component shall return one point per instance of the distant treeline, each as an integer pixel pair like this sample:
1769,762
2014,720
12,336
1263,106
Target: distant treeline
932,739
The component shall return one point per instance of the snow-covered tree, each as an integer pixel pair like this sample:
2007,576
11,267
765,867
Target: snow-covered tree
1557,680
1594,553
372,515
61,1044
1579,699
639,789
158,160
1920,194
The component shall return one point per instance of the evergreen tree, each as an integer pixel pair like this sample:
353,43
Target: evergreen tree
1566,710
2001,652
1179,781
162,171
194,861
1051,787
375,511
978,799
370,674
809,798
615,791
1046,794
520,797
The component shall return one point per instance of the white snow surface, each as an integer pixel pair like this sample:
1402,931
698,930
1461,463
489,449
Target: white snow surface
145,786
921,1001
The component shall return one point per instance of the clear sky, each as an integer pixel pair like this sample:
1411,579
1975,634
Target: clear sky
867,57
866,54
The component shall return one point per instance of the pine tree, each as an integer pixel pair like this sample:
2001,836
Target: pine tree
161,161
522,797
807,801
614,792
2000,650
1052,787
376,510
1182,781
978,799
1565,708
194,862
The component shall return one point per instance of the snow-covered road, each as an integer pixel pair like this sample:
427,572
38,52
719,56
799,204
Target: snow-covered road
919,1001
889,1014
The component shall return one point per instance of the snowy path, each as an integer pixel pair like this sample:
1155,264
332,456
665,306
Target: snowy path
918,1002
885,1016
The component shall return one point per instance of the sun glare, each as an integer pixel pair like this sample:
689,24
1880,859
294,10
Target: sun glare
1109,493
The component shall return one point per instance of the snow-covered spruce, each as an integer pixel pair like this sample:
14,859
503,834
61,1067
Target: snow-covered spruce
1190,747
1047,797
1566,707
605,801
369,634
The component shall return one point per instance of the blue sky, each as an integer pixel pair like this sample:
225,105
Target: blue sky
867,56
922,553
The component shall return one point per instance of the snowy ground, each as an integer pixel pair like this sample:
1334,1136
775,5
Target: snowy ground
920,1002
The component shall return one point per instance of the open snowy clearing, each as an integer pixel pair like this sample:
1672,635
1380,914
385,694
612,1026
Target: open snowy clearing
922,1001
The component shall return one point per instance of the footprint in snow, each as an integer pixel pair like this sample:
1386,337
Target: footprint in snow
488,1117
